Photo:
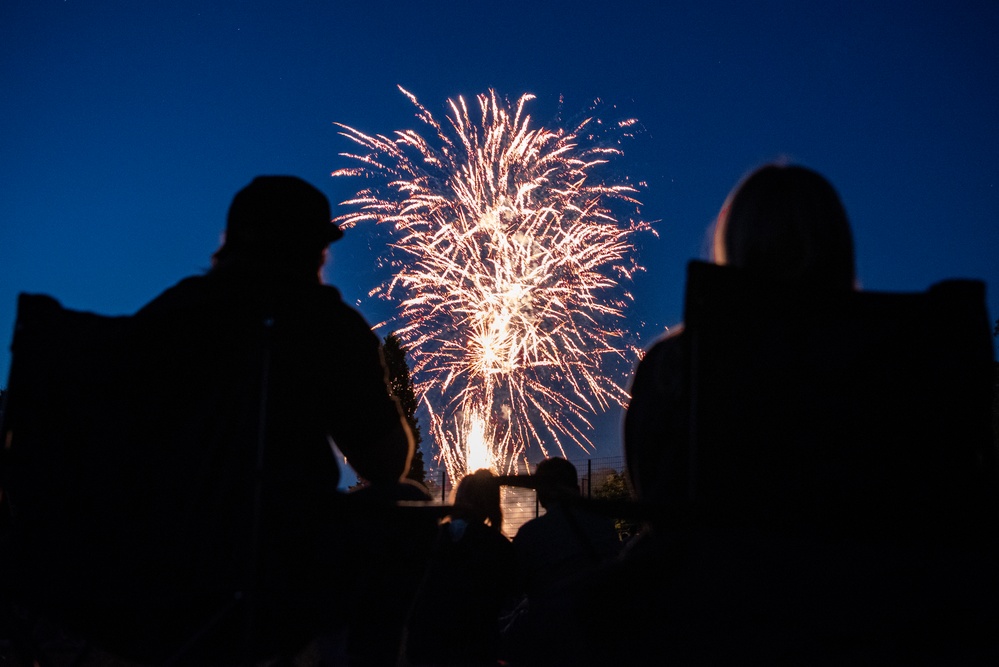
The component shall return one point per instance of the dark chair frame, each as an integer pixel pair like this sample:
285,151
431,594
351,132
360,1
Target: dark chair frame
859,413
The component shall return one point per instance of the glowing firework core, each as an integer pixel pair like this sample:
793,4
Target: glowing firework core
506,260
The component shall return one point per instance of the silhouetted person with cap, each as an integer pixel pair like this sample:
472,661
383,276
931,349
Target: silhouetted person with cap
274,367
556,551
565,541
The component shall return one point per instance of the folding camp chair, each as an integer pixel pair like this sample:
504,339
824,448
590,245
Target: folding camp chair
842,487
860,414
106,534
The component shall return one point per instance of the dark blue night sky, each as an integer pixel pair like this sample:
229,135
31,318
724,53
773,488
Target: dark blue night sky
126,127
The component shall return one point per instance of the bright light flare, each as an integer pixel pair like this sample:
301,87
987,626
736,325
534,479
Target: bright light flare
507,261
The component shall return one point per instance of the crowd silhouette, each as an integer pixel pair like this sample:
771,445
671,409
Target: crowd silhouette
814,467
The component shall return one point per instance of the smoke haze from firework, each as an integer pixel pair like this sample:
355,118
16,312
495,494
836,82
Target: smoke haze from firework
507,261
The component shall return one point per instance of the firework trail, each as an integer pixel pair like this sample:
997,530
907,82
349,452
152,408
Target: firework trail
506,261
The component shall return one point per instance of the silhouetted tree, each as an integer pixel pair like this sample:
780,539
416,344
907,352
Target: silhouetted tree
402,389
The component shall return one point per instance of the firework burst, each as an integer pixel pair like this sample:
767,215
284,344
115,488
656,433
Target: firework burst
507,261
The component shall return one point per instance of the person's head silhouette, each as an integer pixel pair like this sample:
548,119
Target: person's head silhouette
278,223
556,478
477,499
786,223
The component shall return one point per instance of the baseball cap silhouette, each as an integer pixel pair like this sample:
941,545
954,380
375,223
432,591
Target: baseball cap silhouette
280,213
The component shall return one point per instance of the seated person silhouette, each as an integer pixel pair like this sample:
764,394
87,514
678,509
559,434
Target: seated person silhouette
471,580
565,541
207,485
814,368
820,457
785,225
822,453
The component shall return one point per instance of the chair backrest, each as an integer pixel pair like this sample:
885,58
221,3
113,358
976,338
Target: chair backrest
130,488
854,414
63,365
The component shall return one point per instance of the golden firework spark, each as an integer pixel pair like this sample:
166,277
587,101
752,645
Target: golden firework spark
507,262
